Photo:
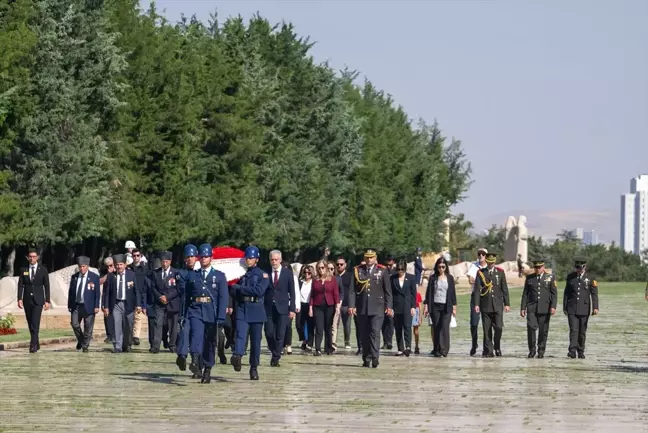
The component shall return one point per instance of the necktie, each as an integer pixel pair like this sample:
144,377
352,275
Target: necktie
33,271
80,290
276,278
121,287
164,274
204,274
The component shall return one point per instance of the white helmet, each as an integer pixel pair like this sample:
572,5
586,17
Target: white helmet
130,244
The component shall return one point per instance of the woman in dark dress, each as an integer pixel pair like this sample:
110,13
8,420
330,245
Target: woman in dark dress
403,286
441,304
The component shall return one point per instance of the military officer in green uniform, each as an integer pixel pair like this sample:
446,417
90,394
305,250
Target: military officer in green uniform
491,299
580,299
539,298
370,301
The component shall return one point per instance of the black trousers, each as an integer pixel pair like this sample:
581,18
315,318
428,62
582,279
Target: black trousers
303,321
109,325
474,326
577,332
441,323
388,330
346,324
539,323
157,321
324,326
403,328
275,332
492,322
33,314
357,332
288,338
370,328
80,314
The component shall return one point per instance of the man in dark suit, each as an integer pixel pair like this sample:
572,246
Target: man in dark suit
539,298
166,302
84,296
372,301
33,296
491,298
141,269
579,300
279,305
124,299
388,322
403,286
105,283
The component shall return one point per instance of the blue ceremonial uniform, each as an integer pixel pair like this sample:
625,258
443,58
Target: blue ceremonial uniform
250,312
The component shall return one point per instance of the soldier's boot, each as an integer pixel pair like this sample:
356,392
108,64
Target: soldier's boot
194,367
254,374
206,376
235,360
181,363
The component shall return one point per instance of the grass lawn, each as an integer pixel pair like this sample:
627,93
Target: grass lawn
23,335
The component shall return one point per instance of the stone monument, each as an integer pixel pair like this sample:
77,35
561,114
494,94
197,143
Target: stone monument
516,237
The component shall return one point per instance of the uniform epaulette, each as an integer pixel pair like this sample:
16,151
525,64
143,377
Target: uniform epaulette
499,269
381,266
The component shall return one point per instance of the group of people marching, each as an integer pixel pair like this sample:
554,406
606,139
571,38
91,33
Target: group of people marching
196,314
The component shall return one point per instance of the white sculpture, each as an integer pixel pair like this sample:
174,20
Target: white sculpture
516,239
522,239
510,242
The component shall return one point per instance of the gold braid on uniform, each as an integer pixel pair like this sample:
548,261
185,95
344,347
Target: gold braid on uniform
488,285
363,283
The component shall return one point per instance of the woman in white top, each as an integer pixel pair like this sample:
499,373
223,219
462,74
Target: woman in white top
303,322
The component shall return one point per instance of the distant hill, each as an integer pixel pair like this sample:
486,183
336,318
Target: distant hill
548,223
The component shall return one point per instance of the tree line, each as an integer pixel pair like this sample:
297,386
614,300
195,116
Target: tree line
607,262
117,124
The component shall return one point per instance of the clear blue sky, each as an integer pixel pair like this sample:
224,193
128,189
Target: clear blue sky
550,98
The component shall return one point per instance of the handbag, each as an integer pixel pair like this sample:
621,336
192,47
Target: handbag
453,322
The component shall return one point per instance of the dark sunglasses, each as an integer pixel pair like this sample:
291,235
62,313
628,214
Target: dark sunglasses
442,266
341,264
481,254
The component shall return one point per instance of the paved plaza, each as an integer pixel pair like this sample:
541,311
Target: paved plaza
59,389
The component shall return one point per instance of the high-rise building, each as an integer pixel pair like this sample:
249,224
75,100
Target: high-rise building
634,216
590,237
577,233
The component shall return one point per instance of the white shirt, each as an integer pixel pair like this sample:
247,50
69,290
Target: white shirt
472,271
297,295
278,271
305,291
81,282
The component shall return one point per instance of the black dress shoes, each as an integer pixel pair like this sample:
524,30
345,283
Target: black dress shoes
206,376
254,374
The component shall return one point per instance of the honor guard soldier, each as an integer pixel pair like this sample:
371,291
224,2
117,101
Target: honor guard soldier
184,326
539,299
250,292
370,301
491,299
580,298
206,295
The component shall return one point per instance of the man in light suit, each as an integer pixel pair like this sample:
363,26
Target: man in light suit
124,299
84,297
279,305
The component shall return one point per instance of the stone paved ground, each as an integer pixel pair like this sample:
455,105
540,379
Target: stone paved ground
61,390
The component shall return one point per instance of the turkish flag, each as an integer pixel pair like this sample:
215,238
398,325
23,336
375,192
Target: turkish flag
230,261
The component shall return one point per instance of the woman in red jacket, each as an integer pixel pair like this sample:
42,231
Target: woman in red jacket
325,298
